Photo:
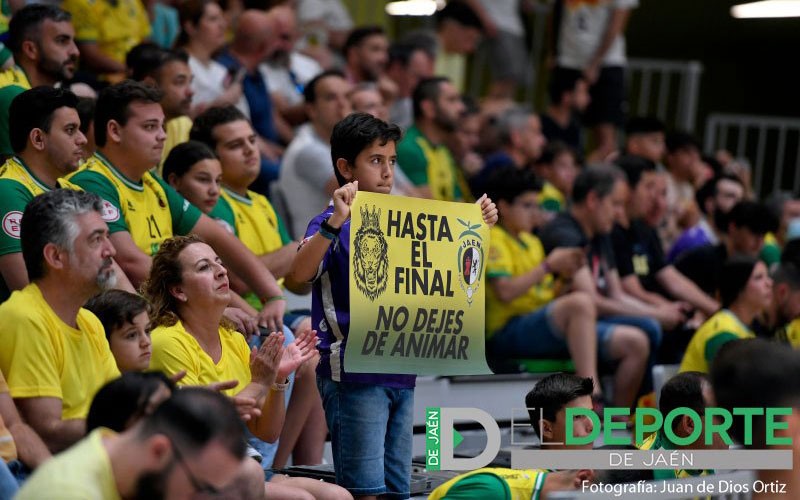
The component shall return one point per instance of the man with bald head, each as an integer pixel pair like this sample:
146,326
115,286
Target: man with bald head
287,70
252,41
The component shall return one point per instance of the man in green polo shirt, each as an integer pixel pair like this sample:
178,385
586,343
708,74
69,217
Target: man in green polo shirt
422,154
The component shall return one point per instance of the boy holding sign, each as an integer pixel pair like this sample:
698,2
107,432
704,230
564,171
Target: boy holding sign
369,415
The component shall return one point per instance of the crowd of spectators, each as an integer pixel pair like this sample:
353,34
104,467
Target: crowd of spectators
173,171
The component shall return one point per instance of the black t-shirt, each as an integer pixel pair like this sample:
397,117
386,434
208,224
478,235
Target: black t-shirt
565,231
638,250
703,266
570,136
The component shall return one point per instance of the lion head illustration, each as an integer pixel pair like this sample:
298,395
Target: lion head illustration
370,255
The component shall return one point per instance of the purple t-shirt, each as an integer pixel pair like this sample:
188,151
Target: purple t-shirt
330,312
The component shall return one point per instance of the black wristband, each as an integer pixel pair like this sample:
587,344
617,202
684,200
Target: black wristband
327,227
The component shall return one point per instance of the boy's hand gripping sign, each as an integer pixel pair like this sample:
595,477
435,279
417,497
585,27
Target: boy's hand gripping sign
417,286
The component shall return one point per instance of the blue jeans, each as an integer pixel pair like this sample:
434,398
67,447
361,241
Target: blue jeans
650,327
8,484
268,450
535,335
371,430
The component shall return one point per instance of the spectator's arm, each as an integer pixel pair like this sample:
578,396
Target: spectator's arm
508,288
681,287
44,416
279,261
12,268
135,263
31,450
633,287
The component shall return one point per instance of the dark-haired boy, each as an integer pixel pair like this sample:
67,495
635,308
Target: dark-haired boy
686,390
371,449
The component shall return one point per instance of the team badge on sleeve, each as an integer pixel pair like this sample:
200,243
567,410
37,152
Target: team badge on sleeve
110,212
12,223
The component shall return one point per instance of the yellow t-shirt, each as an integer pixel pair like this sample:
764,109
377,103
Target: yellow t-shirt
177,133
150,210
8,450
256,222
718,330
116,27
42,356
82,472
495,483
175,349
508,257
551,199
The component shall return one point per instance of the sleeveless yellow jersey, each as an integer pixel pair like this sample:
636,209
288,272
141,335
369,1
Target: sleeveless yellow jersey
150,210
511,256
253,220
495,483
718,330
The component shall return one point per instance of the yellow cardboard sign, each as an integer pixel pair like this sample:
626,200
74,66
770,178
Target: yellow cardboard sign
417,286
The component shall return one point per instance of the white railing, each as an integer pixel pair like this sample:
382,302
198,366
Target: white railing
666,89
770,143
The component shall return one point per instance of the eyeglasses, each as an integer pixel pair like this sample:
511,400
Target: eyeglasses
198,485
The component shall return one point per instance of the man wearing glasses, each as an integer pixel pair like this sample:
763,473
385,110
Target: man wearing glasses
192,443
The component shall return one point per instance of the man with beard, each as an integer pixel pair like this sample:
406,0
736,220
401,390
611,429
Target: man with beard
42,39
422,154
715,198
784,314
366,54
168,71
192,444
53,352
